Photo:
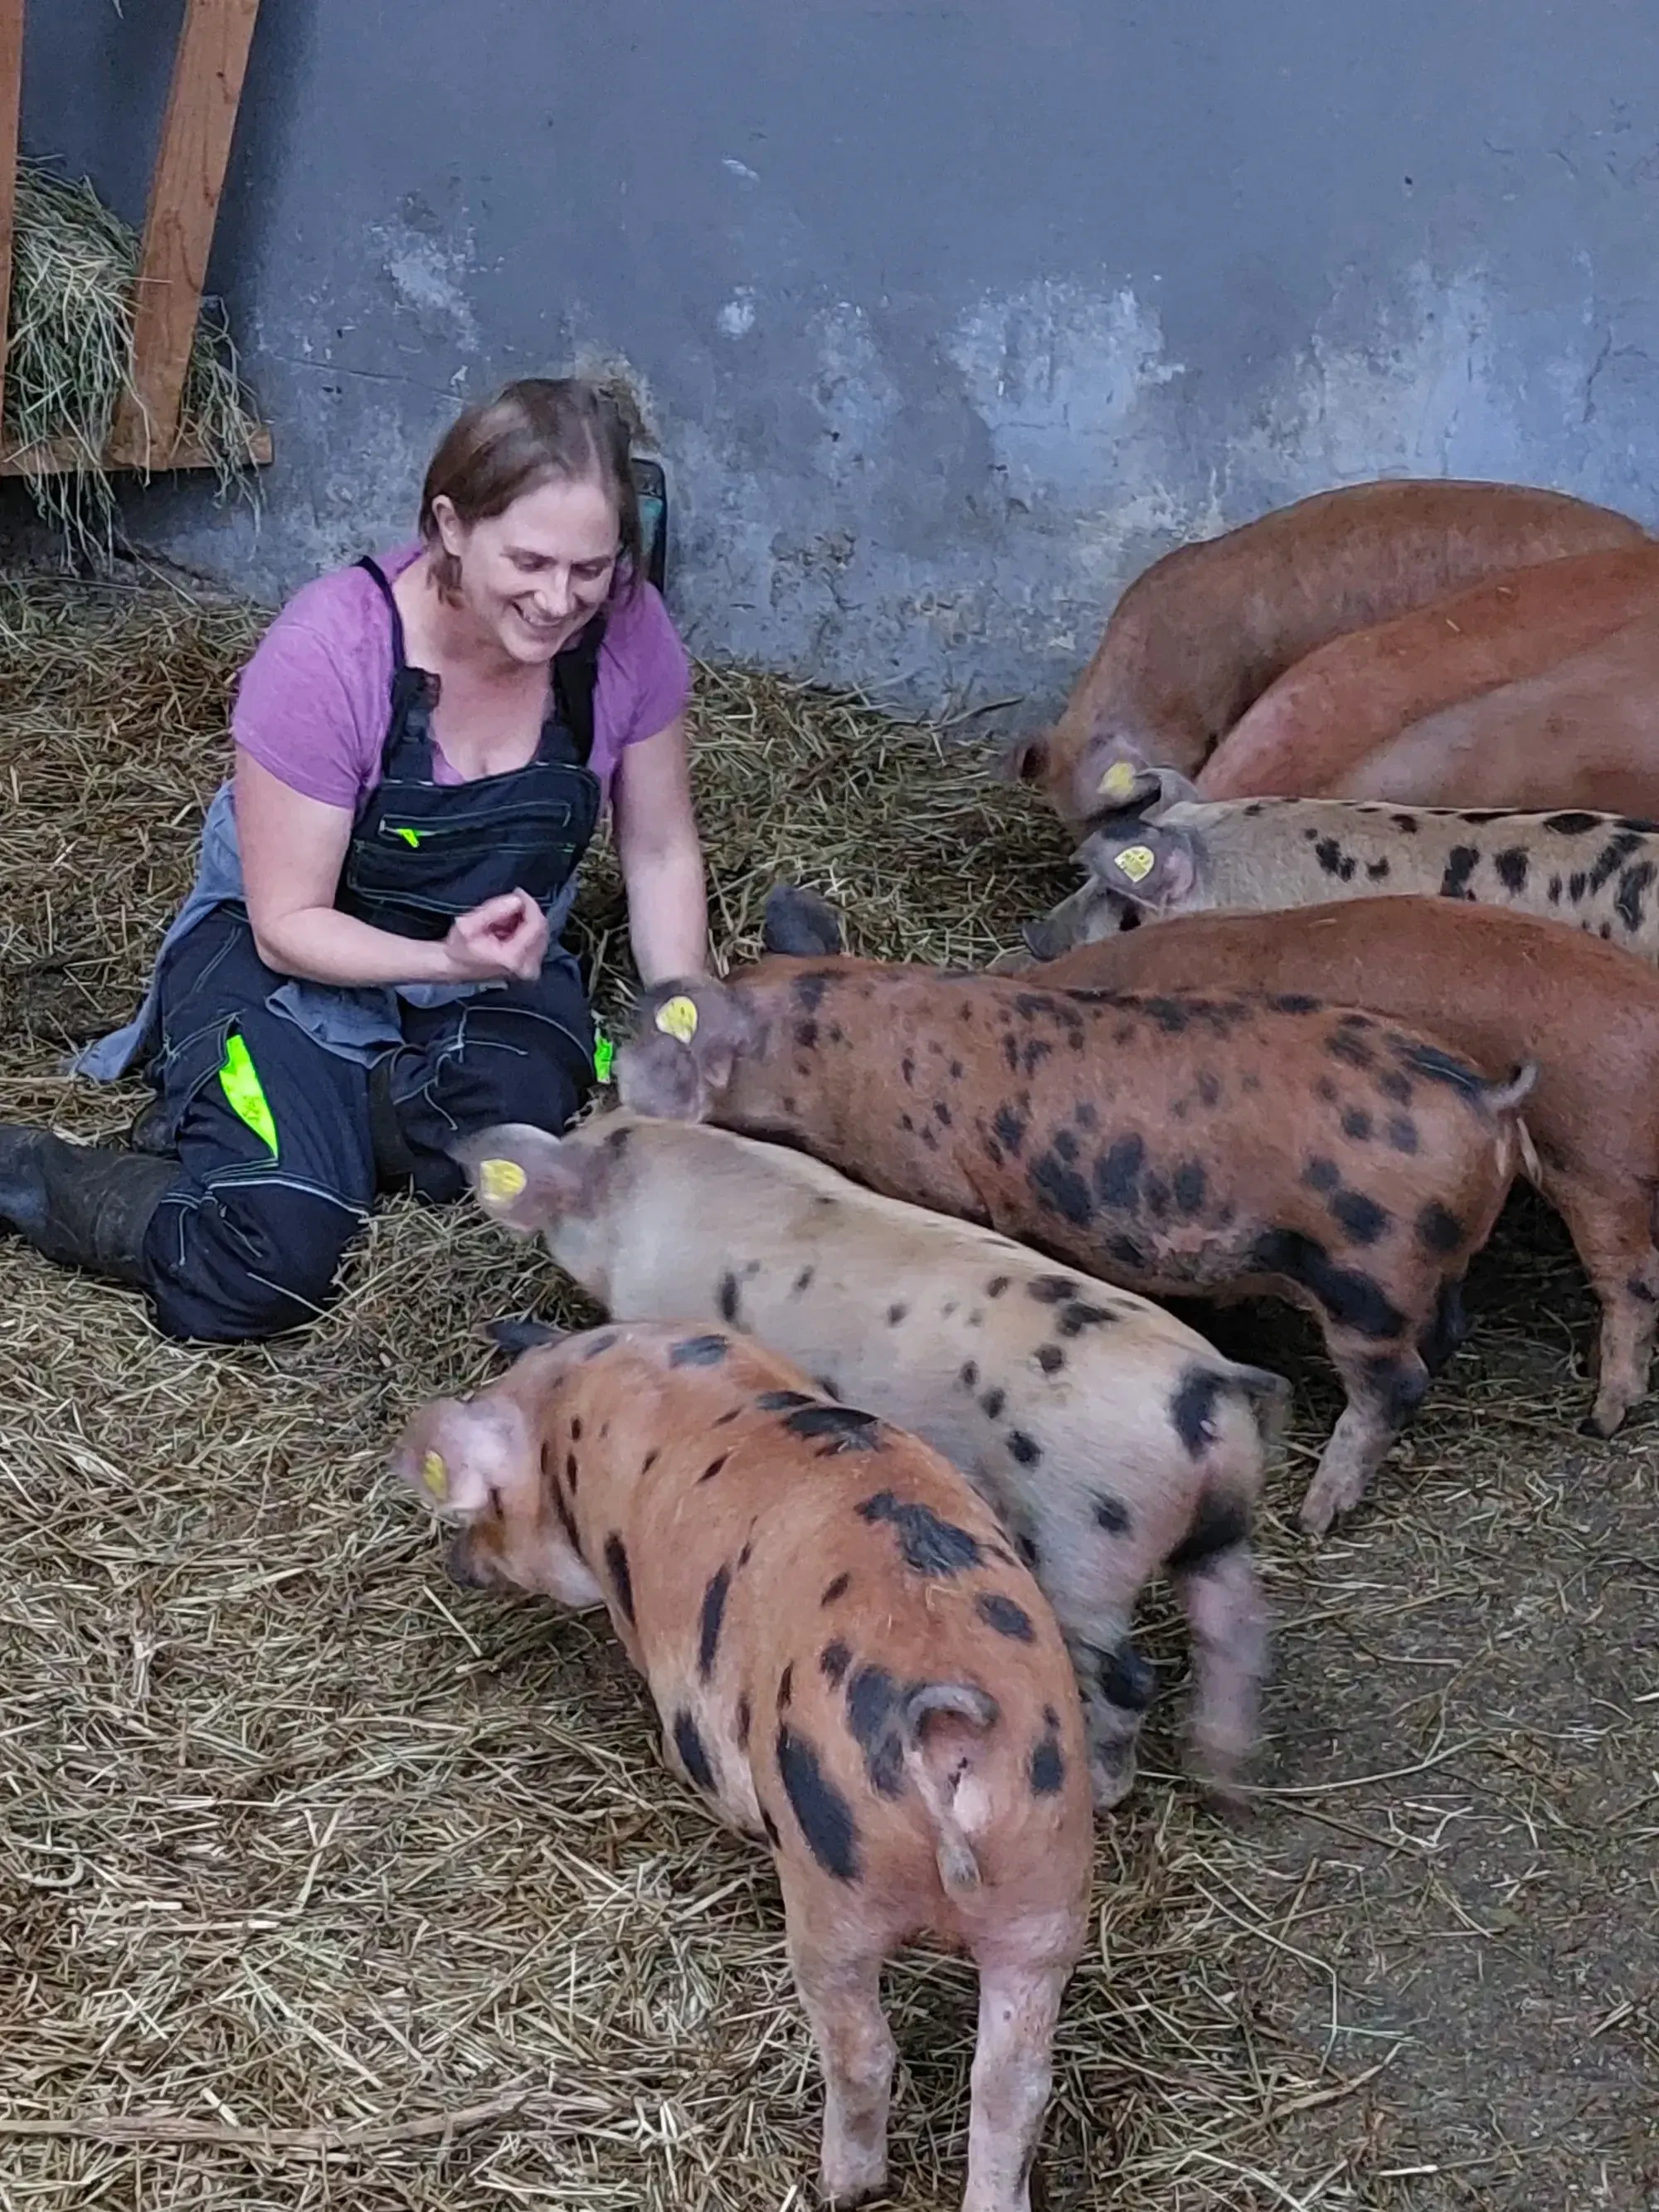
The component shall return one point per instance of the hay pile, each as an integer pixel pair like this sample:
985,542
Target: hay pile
322,1883
68,361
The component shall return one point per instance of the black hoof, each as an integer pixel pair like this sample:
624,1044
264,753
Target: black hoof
514,1337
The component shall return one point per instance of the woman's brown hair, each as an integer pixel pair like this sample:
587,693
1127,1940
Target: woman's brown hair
542,429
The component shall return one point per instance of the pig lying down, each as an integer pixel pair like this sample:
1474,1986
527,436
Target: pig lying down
1193,1144
1199,637
1532,689
1110,1439
1173,853
847,1660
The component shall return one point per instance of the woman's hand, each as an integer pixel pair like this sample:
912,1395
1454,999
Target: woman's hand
291,851
502,941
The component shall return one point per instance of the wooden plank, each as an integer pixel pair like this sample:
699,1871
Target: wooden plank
11,91
184,203
61,456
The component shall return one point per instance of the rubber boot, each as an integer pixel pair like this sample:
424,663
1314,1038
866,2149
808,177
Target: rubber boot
82,1205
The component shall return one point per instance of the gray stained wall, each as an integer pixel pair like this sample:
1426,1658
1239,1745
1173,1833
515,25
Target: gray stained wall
950,317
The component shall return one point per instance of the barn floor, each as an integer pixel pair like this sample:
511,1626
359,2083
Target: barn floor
322,1883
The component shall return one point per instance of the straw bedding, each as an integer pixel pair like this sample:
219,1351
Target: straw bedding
322,1883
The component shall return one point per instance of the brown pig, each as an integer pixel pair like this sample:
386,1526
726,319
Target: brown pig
1201,635
847,1660
1464,703
1500,986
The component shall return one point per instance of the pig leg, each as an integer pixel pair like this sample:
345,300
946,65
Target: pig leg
1624,1352
841,1995
1091,1573
1117,1687
1623,1267
1386,1383
1013,2073
1222,1600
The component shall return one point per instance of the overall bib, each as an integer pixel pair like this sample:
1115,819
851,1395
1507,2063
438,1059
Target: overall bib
283,1141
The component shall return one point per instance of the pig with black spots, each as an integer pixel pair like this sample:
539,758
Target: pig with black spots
848,1662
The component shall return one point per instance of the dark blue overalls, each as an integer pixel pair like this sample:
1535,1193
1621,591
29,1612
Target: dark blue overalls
283,1143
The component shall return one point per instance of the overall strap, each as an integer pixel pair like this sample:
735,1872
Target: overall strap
409,688
399,658
575,676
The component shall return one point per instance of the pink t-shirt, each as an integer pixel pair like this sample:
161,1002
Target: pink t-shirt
313,703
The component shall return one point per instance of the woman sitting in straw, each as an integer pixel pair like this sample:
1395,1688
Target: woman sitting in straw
369,962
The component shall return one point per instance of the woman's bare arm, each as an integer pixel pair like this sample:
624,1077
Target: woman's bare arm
661,858
292,849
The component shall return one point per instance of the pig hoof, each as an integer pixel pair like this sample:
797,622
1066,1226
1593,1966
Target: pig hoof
1227,1802
1112,1780
854,2181
515,1337
1601,1425
1318,1511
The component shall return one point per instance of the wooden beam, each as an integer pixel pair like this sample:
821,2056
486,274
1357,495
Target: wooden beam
62,456
11,93
184,202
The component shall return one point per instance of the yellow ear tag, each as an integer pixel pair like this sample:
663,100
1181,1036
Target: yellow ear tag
500,1179
1118,781
677,1018
434,1474
1136,862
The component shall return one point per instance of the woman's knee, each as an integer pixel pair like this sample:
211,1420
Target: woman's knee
490,1084
245,1262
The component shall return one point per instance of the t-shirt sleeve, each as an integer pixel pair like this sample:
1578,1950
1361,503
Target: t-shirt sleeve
294,714
658,663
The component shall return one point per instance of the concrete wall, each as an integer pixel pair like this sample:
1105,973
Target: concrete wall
953,313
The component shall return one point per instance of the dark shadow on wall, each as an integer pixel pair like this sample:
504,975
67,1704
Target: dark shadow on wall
94,87
279,70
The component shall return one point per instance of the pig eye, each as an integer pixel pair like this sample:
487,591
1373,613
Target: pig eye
495,1501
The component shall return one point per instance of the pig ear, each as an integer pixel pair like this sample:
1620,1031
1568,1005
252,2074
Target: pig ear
522,1176
455,1451
683,1052
1152,866
1112,775
1173,790
801,923
658,1075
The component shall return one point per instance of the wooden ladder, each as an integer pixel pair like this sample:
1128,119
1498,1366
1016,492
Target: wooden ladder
185,187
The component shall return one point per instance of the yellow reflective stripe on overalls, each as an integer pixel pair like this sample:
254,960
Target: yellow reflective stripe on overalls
244,1094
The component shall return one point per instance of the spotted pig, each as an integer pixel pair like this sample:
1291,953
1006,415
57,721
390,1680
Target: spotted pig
847,1660
1109,1437
1204,632
1197,1143
1501,987
1597,872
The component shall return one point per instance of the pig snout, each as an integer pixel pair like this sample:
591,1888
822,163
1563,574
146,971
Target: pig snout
462,1566
1044,938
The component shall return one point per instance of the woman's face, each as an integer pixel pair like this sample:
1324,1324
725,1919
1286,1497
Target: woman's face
532,577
